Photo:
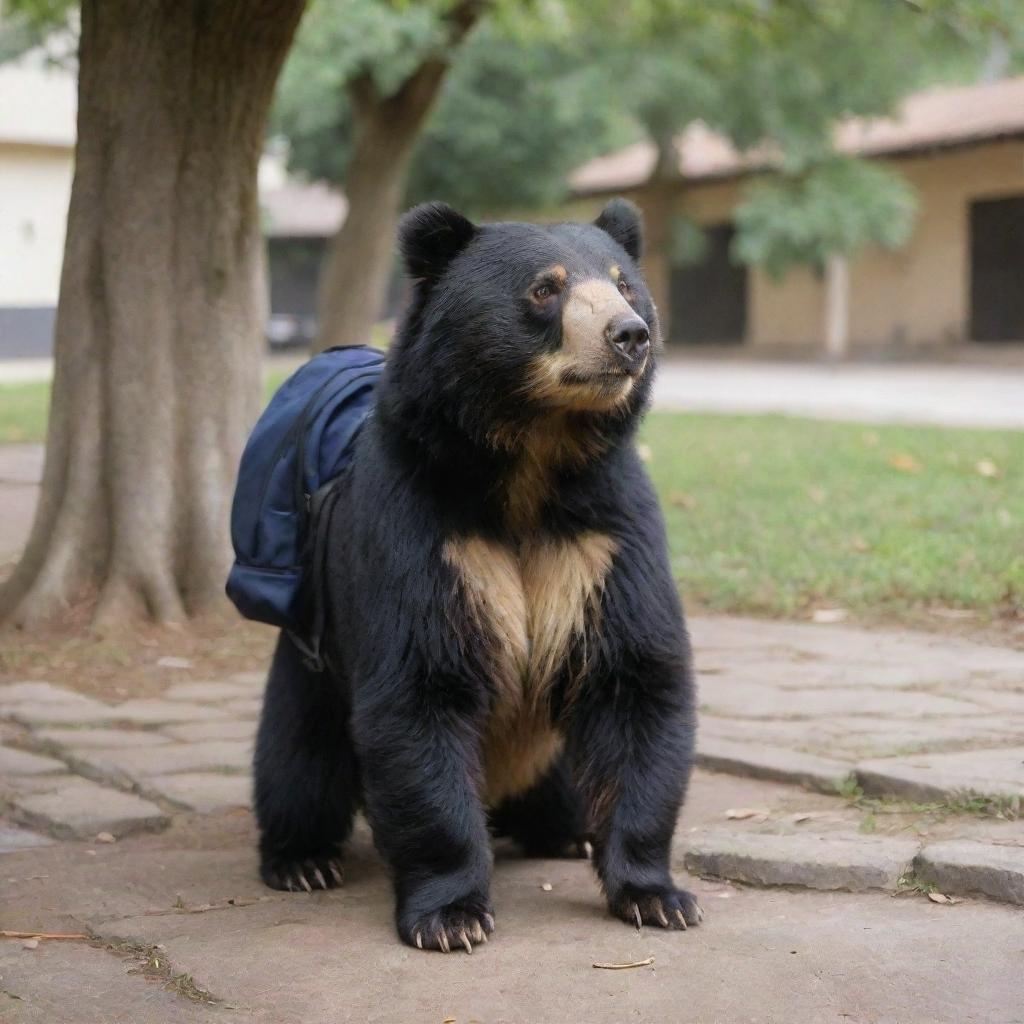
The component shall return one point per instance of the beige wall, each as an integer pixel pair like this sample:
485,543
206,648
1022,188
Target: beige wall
35,185
917,296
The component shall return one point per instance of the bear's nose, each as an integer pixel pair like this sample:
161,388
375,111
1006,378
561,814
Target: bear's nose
630,340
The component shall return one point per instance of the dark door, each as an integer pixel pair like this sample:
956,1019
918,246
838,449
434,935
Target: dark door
997,269
709,297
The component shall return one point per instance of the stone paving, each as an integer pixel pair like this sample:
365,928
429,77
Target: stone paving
128,822
934,722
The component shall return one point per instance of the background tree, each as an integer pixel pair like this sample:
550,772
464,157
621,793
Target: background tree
367,73
160,319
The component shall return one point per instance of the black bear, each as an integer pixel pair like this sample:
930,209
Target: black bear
506,646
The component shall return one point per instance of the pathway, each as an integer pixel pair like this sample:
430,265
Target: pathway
847,766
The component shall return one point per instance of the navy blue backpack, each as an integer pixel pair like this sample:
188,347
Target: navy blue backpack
285,494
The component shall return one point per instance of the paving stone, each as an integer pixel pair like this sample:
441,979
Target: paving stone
746,701
967,866
777,764
131,764
153,711
879,737
853,863
14,839
1000,700
207,691
90,738
924,777
81,711
233,729
47,783
253,677
246,707
81,809
204,791
20,762
38,693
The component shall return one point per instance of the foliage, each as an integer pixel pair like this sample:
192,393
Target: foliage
515,116
837,206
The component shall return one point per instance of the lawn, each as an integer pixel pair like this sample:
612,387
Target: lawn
779,516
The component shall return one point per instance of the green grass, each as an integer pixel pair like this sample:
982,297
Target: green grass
776,516
23,411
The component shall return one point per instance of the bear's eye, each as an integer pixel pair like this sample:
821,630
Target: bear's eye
543,292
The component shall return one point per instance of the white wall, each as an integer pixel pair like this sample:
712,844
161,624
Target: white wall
37,137
35,185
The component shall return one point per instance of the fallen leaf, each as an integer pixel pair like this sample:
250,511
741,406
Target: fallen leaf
742,813
905,463
171,662
625,967
860,545
682,500
941,897
870,438
816,494
547,887
30,944
828,615
106,837
986,467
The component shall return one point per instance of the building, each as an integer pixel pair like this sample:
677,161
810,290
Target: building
38,105
960,278
37,139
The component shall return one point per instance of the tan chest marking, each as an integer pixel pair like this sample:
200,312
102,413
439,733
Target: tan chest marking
531,603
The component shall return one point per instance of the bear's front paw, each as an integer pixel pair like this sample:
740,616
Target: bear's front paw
667,908
302,874
460,924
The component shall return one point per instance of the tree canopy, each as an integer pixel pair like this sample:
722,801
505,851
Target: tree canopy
538,91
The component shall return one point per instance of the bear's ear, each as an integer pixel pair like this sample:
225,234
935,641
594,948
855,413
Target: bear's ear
430,236
623,221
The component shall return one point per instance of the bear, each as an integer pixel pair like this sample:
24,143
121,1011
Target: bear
506,648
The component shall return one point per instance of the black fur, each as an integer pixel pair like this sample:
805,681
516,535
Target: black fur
397,725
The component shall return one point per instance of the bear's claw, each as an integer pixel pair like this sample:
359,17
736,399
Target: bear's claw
674,909
303,875
457,925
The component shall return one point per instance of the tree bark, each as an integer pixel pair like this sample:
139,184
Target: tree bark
160,320
837,308
354,278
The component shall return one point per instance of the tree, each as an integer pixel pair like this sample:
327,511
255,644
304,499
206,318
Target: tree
369,73
515,116
160,317
774,76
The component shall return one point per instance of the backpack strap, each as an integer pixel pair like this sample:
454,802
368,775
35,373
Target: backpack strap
311,644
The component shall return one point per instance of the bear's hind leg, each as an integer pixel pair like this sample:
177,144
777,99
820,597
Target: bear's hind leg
547,820
306,780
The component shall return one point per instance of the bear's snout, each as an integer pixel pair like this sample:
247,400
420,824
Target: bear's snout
630,342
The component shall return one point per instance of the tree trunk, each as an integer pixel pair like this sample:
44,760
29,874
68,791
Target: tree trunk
837,308
160,321
354,278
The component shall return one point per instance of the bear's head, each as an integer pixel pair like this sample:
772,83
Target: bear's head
513,325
